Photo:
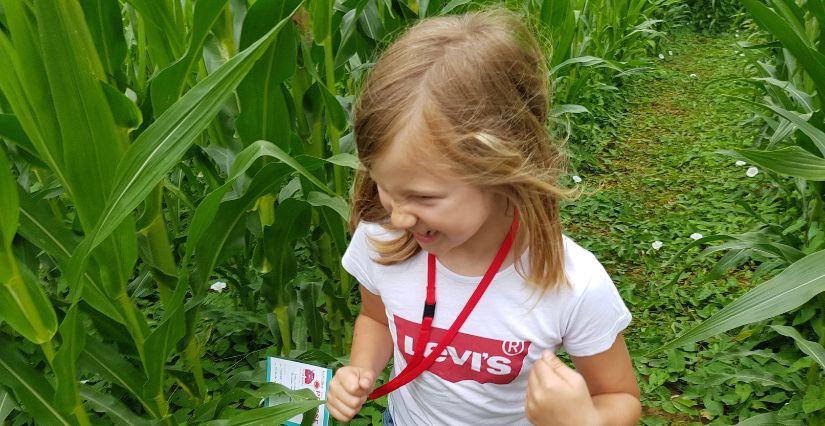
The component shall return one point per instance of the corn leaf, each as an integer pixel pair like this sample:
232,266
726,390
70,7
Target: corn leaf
38,226
334,222
162,341
817,8
73,335
336,113
310,292
24,83
261,95
790,91
30,386
111,406
91,142
790,289
370,21
105,25
124,111
7,404
164,142
8,203
168,84
272,150
346,160
817,136
10,128
811,60
321,19
812,349
268,415
164,34
586,61
337,204
208,207
110,365
789,161
226,216
291,221
558,16
26,308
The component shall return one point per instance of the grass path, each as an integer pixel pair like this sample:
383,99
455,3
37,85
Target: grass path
660,179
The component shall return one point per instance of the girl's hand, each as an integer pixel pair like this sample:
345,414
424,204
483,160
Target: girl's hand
348,391
558,395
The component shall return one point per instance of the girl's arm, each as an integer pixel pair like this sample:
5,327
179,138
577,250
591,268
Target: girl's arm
371,349
371,341
612,384
601,391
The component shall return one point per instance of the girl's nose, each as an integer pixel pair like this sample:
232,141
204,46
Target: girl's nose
401,220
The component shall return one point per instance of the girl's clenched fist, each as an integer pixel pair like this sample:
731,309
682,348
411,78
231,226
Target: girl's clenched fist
348,390
558,395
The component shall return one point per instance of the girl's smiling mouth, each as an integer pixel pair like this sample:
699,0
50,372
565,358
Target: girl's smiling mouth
429,237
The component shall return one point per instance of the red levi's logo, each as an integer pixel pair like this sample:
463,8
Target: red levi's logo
467,357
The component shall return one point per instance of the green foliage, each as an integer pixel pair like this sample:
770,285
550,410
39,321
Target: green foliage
152,150
662,177
798,71
715,15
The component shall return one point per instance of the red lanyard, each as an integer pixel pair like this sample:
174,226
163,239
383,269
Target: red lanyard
419,363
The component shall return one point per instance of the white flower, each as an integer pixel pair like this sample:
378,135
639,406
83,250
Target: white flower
670,52
752,171
218,286
696,236
740,163
741,54
657,245
693,76
577,179
661,56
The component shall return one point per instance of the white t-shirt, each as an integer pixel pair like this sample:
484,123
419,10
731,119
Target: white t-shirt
481,378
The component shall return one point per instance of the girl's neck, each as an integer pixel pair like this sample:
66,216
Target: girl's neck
474,259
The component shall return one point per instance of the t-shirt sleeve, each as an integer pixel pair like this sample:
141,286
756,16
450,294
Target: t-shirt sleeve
596,318
357,259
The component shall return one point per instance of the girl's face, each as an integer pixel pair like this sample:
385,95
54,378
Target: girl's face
444,214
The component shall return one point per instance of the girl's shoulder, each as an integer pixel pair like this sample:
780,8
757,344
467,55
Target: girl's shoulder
375,230
371,230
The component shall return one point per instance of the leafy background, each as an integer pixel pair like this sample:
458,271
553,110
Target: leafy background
175,176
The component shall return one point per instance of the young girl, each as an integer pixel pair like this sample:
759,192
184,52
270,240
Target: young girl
466,278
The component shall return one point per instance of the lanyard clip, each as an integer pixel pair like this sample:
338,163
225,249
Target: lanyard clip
429,310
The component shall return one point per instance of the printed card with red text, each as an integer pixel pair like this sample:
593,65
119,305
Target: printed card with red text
298,375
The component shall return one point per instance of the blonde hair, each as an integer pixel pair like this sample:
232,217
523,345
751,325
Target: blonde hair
476,86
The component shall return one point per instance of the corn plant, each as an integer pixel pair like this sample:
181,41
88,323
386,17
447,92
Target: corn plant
594,44
90,159
791,144
715,15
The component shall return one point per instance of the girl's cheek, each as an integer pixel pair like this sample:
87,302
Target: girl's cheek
384,203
